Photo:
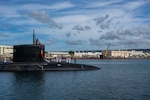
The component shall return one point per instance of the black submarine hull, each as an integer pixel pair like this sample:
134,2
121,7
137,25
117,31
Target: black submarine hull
53,66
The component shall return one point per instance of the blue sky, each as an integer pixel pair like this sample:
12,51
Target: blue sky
64,25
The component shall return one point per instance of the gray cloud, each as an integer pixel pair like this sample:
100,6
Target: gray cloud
100,20
110,21
104,26
99,43
130,38
87,28
75,42
145,30
137,37
111,36
135,43
135,32
103,22
130,42
4,35
68,34
106,16
44,18
95,42
131,32
78,27
100,31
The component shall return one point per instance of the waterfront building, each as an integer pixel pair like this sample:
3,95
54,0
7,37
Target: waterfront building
88,54
136,54
6,51
123,54
49,55
119,54
77,54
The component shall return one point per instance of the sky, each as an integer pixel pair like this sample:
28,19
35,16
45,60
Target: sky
64,25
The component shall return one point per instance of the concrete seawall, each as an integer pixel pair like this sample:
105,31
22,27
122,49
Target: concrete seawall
45,67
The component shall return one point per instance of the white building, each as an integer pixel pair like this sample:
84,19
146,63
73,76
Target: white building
76,54
124,54
120,54
56,54
6,51
89,54
136,54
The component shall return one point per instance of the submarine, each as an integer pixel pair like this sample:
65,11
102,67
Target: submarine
30,57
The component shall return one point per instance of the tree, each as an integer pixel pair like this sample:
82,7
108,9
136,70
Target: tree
71,53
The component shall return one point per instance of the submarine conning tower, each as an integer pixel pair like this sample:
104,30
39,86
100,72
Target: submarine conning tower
29,52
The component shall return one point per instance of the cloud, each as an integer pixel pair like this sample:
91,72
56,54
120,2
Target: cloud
62,5
78,27
135,31
87,28
111,36
75,42
104,26
101,43
101,19
95,42
8,12
130,32
55,6
42,17
100,31
102,3
68,34
73,17
134,5
128,38
135,42
4,35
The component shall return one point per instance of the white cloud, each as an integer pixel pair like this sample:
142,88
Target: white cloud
8,12
15,10
102,3
134,5
62,5
73,19
57,6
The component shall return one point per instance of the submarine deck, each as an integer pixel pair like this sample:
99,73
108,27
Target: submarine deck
52,66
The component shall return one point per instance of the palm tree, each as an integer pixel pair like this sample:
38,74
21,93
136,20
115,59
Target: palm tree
71,53
72,56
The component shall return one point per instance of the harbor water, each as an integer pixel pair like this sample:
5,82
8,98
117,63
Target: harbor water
119,79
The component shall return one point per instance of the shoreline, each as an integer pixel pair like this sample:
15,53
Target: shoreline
98,59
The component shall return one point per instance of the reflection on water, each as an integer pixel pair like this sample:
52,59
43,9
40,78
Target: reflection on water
116,80
29,84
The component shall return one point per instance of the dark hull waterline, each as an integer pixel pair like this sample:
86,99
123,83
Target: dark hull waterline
53,66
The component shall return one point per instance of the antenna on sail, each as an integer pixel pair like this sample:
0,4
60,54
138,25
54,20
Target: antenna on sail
33,36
